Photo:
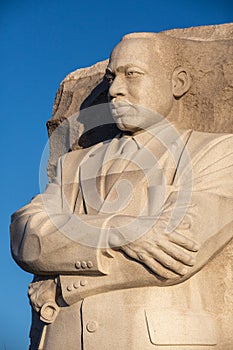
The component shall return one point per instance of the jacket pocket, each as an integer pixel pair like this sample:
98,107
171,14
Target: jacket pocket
183,327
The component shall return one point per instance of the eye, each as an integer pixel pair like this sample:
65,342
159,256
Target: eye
109,77
133,73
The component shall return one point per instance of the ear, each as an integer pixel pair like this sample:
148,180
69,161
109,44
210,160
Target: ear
180,81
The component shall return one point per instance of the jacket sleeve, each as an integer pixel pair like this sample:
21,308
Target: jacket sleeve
47,239
210,215
203,192
202,201
199,204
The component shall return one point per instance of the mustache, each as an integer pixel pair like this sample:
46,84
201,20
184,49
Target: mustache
119,104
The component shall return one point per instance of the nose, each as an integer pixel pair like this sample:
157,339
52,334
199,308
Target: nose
117,88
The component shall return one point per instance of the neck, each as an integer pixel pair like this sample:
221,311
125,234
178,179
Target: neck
178,118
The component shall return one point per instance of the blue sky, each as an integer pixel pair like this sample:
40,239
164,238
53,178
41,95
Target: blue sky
41,42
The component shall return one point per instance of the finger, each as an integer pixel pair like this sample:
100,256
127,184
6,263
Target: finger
183,241
31,291
167,260
149,250
131,253
159,269
177,253
151,263
34,304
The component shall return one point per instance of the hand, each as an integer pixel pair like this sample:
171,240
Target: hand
167,255
41,292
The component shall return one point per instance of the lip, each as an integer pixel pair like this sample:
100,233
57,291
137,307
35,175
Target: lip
117,104
120,108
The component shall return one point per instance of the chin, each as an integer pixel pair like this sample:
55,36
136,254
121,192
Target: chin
125,124
134,119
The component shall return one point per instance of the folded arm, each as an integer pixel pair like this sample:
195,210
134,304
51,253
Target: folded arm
47,239
206,225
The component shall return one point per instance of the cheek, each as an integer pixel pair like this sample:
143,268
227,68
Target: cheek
150,95
136,90
161,98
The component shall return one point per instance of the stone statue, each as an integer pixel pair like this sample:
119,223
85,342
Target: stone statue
130,244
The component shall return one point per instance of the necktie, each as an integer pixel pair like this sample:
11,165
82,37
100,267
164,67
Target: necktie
116,159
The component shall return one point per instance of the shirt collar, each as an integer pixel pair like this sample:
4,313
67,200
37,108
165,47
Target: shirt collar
164,131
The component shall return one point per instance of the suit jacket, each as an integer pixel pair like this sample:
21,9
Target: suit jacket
111,300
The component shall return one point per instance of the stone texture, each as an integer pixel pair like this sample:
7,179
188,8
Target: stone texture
206,50
81,89
131,242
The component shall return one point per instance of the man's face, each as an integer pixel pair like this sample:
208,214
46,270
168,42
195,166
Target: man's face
140,91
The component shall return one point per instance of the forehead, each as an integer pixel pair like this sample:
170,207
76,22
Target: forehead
139,52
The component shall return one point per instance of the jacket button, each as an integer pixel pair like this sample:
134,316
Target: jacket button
89,264
83,264
78,265
83,283
69,288
91,326
76,285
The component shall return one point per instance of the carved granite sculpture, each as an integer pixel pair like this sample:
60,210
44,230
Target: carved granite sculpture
130,243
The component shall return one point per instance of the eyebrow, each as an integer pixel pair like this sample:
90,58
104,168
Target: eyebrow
108,71
124,67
